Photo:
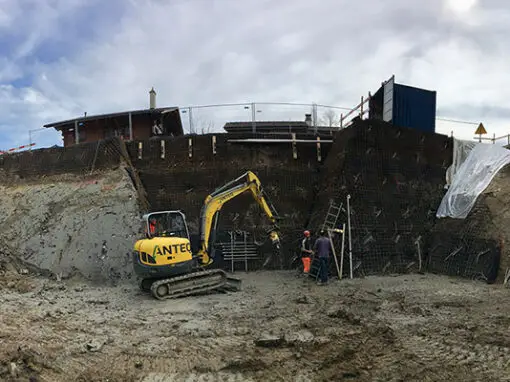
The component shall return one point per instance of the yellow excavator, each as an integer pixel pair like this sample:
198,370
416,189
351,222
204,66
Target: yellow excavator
164,259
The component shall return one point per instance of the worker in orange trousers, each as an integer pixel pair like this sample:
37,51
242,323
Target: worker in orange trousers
306,252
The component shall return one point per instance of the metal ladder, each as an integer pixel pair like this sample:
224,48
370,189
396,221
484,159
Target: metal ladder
332,216
330,221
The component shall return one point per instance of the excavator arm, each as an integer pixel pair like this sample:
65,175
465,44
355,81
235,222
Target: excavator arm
215,201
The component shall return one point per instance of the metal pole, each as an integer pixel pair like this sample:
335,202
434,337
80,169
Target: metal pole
342,250
334,253
253,123
76,135
232,251
245,254
190,117
349,232
314,108
30,139
130,127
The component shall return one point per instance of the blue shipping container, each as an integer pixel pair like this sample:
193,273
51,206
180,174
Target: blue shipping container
414,108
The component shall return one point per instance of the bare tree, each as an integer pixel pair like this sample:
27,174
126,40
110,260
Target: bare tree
207,127
330,118
201,126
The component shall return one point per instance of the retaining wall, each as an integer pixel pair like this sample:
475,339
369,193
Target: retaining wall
395,177
174,179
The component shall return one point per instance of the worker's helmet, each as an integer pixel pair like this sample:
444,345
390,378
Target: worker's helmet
306,233
322,232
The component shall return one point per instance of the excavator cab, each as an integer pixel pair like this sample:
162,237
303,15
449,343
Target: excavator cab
166,249
166,224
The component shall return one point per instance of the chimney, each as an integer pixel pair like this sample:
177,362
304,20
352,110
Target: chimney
152,99
308,119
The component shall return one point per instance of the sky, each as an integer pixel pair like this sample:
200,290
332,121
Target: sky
62,58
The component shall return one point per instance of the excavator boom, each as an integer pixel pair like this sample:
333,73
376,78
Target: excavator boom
215,201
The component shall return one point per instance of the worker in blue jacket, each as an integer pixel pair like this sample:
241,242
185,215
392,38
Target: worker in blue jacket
322,249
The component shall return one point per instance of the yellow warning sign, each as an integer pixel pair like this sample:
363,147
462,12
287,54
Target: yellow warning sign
480,130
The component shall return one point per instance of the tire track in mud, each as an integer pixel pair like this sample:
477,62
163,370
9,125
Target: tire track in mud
210,377
482,360
196,355
196,377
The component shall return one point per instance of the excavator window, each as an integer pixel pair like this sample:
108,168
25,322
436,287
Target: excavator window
167,224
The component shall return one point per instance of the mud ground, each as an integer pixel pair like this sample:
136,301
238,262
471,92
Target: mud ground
280,327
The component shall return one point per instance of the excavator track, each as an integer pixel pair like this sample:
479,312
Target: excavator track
194,283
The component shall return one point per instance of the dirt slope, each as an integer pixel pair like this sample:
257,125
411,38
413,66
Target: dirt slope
497,199
72,225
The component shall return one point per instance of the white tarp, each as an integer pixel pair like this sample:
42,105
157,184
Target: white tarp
471,177
461,150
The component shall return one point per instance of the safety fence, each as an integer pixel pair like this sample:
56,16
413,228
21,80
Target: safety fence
207,119
360,111
505,139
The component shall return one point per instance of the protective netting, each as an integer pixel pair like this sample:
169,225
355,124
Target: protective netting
395,177
470,177
461,150
182,175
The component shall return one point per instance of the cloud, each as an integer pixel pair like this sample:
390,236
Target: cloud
61,58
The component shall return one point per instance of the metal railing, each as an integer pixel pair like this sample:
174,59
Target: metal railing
494,139
240,248
359,110
204,119
198,121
